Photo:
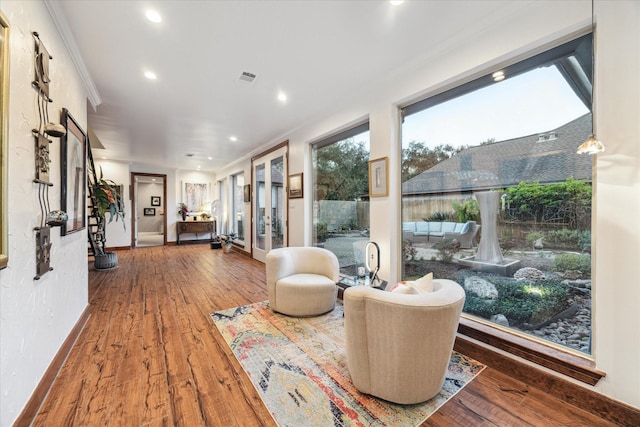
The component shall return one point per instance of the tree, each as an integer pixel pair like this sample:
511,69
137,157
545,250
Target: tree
417,158
342,171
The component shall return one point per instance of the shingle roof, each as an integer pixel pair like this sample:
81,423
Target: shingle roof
506,163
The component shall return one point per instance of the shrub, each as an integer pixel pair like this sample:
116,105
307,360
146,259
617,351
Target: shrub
532,237
467,211
321,231
438,216
447,248
408,251
522,303
572,261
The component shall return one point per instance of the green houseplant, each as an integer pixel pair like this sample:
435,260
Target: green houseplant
107,197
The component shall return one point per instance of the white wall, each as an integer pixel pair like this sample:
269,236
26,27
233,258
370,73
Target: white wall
528,28
36,316
120,173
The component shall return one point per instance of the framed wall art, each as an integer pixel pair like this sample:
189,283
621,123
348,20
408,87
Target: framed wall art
155,200
295,186
195,195
247,193
378,177
149,211
74,174
4,135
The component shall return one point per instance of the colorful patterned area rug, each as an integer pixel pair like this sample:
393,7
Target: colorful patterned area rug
299,367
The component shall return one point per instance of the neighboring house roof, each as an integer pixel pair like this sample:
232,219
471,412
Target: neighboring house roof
544,158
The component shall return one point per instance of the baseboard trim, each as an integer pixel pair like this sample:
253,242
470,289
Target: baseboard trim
31,409
572,393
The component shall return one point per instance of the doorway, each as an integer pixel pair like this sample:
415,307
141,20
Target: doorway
148,205
269,207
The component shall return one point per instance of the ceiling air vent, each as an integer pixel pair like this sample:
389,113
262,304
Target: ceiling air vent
247,77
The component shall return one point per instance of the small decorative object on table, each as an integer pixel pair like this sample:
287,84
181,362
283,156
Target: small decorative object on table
183,210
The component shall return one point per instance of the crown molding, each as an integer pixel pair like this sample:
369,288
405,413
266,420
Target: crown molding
64,30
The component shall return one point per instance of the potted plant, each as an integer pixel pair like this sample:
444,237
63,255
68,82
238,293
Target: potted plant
183,211
228,239
107,198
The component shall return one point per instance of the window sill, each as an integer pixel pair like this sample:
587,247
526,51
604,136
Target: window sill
571,365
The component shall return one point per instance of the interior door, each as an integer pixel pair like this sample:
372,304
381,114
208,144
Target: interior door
270,211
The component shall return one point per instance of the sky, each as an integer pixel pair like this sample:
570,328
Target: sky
534,102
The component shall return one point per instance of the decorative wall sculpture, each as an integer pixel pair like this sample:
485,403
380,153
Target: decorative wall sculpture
45,129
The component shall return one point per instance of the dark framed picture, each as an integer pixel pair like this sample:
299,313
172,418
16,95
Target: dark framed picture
247,193
149,211
155,200
74,174
295,186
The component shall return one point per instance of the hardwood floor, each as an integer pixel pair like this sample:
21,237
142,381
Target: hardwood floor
150,355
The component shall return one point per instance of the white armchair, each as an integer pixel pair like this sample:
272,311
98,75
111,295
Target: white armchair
399,345
301,281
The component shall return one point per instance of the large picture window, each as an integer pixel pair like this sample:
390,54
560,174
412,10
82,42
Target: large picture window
495,197
340,196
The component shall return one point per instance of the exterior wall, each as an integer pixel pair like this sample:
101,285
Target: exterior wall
36,316
529,27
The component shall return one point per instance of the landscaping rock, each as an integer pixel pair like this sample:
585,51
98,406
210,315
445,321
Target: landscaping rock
572,274
500,319
529,273
480,287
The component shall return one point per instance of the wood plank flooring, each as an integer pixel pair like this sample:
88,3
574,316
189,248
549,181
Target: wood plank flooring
150,355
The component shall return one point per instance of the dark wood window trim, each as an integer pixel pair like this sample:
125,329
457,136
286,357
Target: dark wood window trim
571,365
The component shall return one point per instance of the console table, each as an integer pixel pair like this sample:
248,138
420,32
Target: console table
195,227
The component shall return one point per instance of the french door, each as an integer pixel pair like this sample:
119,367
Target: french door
269,208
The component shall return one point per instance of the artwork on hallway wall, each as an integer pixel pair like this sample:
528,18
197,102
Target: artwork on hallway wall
378,179
247,193
74,174
155,200
295,186
149,211
196,196
4,120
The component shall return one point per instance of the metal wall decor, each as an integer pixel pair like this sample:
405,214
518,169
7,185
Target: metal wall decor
46,129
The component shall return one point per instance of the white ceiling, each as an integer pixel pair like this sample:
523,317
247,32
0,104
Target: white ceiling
325,55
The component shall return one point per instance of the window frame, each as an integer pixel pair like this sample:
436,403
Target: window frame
351,131
472,330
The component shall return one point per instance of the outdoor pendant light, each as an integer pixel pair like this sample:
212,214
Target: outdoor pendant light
592,145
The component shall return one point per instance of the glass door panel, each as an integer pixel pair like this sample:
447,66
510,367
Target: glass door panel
277,202
260,214
270,213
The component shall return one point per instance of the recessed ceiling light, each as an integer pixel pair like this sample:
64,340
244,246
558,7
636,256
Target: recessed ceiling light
209,158
198,167
150,75
396,2
282,97
233,138
498,76
153,16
